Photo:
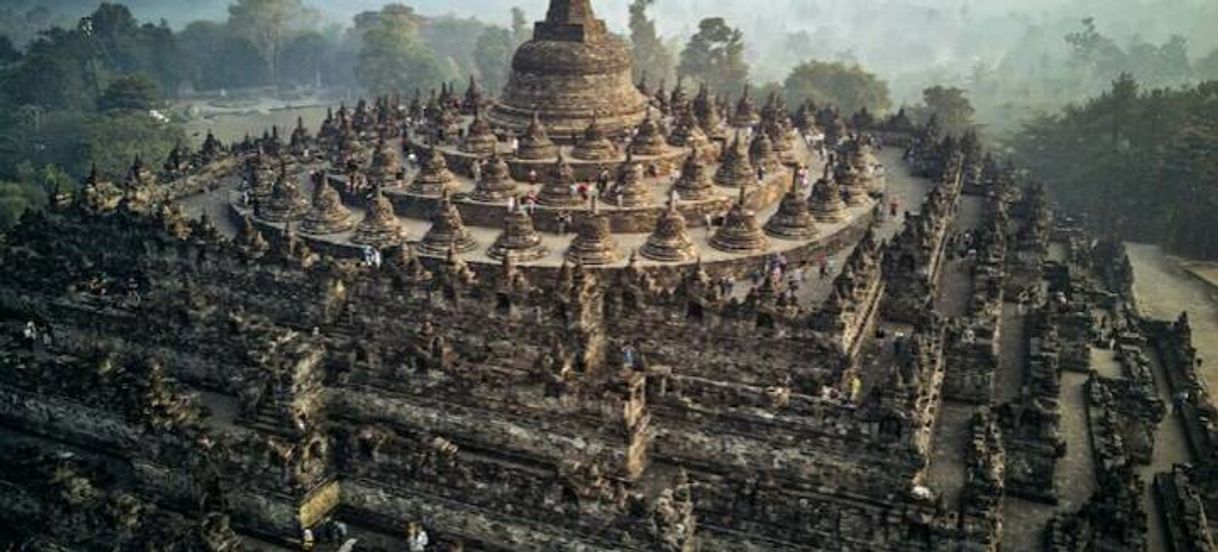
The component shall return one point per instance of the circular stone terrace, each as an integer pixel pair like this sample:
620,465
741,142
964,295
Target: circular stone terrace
630,226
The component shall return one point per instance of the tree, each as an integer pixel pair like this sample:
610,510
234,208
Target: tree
129,93
8,54
651,56
303,58
520,27
847,87
493,56
392,59
1207,67
715,55
950,106
267,24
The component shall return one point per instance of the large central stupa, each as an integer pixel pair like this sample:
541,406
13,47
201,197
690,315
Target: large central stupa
572,70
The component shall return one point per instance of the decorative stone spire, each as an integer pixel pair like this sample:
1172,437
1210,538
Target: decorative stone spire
594,146
854,189
519,239
570,20
406,266
736,169
249,238
793,221
536,144
301,139
434,178
695,182
286,202
631,186
745,115
328,215
594,244
447,231
479,138
826,202
260,178
556,192
670,242
708,114
740,232
473,97
688,133
380,227
386,167
212,148
649,141
496,184
761,152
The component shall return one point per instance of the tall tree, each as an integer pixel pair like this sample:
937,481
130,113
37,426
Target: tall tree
847,87
493,56
268,24
651,55
715,55
951,106
520,27
392,59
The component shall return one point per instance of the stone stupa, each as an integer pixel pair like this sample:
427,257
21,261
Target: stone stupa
695,183
740,232
594,244
826,201
536,144
380,227
594,146
556,192
670,241
736,169
434,178
571,53
519,239
632,189
649,140
328,215
447,232
496,184
792,221
286,203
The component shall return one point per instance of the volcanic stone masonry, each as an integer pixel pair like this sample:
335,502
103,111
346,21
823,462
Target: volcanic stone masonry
502,324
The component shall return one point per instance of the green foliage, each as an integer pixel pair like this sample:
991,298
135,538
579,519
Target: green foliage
392,59
848,87
1140,164
268,25
951,106
8,53
215,57
129,93
493,56
651,56
31,191
1207,67
715,56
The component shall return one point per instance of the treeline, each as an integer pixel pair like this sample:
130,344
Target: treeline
1141,164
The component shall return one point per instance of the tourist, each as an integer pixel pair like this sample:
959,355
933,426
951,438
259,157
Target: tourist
511,205
245,198
628,356
416,537
562,223
761,173
476,171
306,540
533,177
30,334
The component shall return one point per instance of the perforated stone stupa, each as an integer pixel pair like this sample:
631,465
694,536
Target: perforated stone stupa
570,55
